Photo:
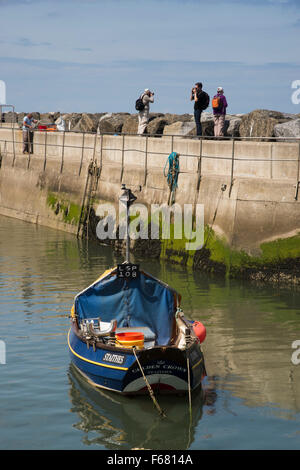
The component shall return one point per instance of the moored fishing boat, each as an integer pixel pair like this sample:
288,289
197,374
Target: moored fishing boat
128,333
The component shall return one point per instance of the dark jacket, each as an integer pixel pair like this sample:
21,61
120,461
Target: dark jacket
203,100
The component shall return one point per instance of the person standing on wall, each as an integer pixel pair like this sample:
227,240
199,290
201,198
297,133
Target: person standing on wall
27,132
201,99
219,105
143,106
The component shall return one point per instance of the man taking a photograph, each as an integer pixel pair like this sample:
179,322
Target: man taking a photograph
201,99
147,97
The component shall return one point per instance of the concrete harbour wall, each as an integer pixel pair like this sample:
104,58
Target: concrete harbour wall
248,188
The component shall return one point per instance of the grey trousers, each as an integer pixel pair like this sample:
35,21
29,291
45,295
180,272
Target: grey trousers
143,121
219,122
27,141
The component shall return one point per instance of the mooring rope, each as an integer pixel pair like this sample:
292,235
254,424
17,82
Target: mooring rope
189,384
161,412
190,398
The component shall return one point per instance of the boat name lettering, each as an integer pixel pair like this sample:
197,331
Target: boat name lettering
164,368
115,358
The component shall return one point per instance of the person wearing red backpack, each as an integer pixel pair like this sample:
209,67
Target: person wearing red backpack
219,105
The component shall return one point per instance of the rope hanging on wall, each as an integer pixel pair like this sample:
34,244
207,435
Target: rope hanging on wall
172,175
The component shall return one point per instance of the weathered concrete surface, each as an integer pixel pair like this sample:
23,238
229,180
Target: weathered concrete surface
252,216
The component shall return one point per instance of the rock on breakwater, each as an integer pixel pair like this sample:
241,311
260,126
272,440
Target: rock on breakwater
257,123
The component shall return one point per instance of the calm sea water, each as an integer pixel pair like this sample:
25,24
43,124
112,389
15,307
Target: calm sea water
252,393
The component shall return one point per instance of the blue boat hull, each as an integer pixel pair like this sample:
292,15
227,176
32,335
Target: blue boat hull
113,368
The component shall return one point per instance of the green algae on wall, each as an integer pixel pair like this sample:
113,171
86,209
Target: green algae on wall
60,204
174,250
217,257
281,249
273,254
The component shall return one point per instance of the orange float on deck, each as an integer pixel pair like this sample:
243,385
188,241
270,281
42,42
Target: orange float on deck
199,330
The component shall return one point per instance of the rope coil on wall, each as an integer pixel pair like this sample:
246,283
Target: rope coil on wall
172,175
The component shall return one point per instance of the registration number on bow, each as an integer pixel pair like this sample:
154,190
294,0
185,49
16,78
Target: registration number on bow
128,271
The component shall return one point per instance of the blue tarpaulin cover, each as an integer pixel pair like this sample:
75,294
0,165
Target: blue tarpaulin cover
134,302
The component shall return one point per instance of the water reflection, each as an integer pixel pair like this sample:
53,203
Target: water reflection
119,422
250,330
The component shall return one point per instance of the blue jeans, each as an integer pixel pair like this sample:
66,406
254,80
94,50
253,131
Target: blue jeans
197,116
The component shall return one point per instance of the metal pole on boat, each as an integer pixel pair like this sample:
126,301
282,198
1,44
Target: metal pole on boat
127,198
127,235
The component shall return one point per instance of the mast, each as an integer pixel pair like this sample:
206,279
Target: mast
127,198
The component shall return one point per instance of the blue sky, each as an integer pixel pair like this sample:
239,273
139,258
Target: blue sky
98,55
